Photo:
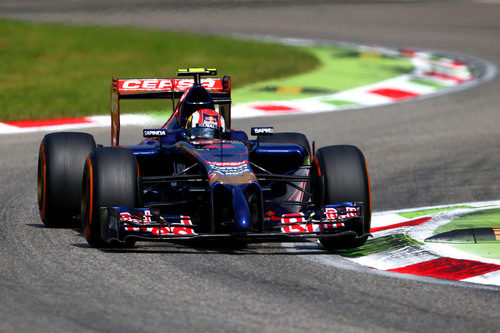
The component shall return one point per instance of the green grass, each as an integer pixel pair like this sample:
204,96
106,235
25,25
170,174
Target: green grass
340,102
57,70
341,69
418,213
486,250
428,83
481,219
385,243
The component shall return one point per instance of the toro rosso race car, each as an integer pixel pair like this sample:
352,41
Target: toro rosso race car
197,178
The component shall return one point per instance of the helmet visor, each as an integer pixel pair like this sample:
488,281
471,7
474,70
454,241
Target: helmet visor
204,133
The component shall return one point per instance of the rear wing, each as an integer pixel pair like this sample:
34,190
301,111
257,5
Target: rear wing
168,88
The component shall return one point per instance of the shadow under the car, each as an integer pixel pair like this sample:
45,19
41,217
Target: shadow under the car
171,248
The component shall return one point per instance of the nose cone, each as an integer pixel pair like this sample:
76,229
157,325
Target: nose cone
242,217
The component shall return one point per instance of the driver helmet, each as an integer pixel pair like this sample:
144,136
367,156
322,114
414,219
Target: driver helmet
205,124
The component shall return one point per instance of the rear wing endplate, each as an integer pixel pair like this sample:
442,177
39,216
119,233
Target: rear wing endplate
168,88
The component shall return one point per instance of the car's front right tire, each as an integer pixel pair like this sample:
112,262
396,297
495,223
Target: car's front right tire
345,178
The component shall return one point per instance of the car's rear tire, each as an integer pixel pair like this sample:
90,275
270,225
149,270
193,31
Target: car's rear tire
60,168
109,180
286,137
345,179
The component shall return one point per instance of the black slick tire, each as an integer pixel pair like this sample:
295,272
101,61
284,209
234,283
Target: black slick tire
109,179
345,178
60,169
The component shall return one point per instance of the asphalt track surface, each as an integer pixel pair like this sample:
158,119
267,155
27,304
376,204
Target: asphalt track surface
435,151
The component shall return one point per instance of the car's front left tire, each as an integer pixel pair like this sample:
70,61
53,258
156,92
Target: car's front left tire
110,179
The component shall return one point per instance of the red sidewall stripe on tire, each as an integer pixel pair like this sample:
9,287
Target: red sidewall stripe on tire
44,184
91,199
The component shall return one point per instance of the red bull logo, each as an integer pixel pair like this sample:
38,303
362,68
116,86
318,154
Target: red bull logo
210,121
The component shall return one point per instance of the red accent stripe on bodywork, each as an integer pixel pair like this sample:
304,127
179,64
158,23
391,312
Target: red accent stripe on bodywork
115,112
448,268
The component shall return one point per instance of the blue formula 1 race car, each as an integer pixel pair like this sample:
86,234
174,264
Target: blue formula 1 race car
196,178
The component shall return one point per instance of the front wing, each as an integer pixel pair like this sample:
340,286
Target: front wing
334,221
